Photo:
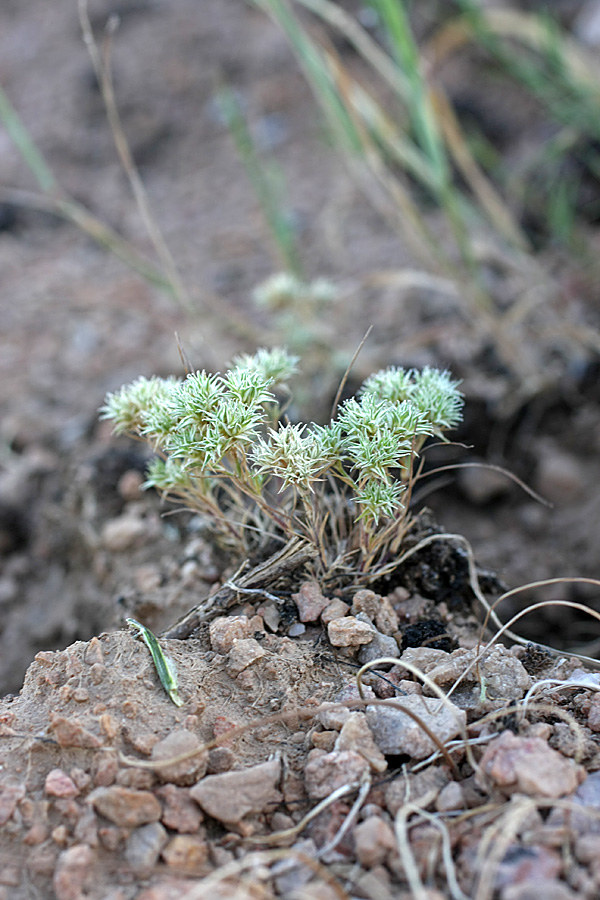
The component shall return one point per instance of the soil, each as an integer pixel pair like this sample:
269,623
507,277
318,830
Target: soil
81,548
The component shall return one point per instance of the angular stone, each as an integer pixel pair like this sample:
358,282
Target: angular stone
180,813
373,840
531,766
123,533
381,646
397,733
126,807
357,736
144,846
504,675
349,632
243,653
58,784
310,601
326,772
73,870
226,630
187,852
10,794
231,796
337,609
179,743
71,733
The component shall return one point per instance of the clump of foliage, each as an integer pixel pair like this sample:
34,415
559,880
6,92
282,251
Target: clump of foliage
224,447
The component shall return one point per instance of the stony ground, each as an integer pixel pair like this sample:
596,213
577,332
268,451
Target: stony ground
279,777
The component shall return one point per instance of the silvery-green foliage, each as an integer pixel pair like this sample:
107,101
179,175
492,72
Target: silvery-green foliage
274,366
379,500
129,406
290,455
215,431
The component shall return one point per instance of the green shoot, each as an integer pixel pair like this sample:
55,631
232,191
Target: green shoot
164,665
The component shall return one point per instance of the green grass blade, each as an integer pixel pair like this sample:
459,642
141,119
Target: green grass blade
164,665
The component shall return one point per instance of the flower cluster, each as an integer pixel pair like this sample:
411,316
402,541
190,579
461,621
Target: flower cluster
222,446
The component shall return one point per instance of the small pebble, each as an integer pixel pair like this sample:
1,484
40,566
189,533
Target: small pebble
326,772
73,870
177,743
144,845
349,632
126,806
530,766
226,630
310,601
373,840
58,784
231,796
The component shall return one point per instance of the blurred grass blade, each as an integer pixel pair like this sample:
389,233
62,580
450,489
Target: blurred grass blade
164,665
25,145
406,51
489,199
263,179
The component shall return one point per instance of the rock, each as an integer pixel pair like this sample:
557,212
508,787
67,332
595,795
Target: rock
584,805
73,870
180,813
423,788
367,602
424,658
71,733
530,766
58,784
337,609
144,846
396,733
349,632
124,532
310,601
125,806
381,646
231,796
357,736
332,716
505,677
130,484
226,630
10,794
290,875
524,864
324,773
324,740
373,839
187,852
220,759
177,743
450,797
244,653
533,890
386,619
